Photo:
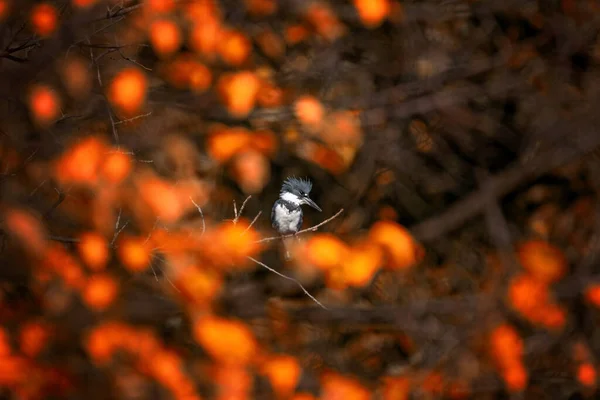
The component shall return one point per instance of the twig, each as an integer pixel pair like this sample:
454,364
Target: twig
252,223
63,239
133,118
201,215
237,214
58,202
311,229
289,278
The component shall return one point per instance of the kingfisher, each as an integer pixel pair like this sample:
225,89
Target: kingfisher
286,215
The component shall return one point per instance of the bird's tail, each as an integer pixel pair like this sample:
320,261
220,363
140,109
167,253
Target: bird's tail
288,245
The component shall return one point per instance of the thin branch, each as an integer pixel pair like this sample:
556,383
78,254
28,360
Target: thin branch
311,229
63,239
201,215
133,118
252,223
289,278
239,214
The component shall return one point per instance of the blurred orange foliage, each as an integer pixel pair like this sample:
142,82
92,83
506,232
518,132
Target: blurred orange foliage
238,92
234,47
197,285
127,91
372,12
134,253
81,162
396,388
224,142
335,386
44,19
159,6
184,72
283,372
507,349
542,260
4,9
93,250
75,75
326,251
100,291
586,374
251,170
116,167
399,246
229,244
165,37
28,230
309,111
261,8
44,104
33,337
325,22
228,342
83,3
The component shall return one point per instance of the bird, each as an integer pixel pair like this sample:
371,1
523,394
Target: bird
287,215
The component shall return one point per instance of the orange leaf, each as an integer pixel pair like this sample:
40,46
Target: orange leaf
261,8
396,388
542,260
309,111
134,253
228,342
224,143
336,386
28,230
162,198
93,250
506,345
516,377
326,251
100,292
81,162
238,91
230,244
44,104
592,294
586,374
372,12
76,77
361,265
197,285
127,91
234,47
165,37
44,19
83,3
402,251
159,6
116,167
251,171
33,338
283,372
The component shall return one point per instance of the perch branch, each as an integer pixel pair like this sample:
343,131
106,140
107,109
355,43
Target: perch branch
311,229
289,278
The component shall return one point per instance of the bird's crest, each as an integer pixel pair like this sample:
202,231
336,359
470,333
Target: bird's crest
293,184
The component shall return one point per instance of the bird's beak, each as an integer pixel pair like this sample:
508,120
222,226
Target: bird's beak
312,204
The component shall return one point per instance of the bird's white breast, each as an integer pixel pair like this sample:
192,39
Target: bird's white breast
288,220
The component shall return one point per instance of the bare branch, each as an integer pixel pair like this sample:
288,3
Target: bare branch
201,215
133,118
311,229
289,278
252,223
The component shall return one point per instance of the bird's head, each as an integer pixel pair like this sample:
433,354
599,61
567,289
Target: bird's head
296,191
